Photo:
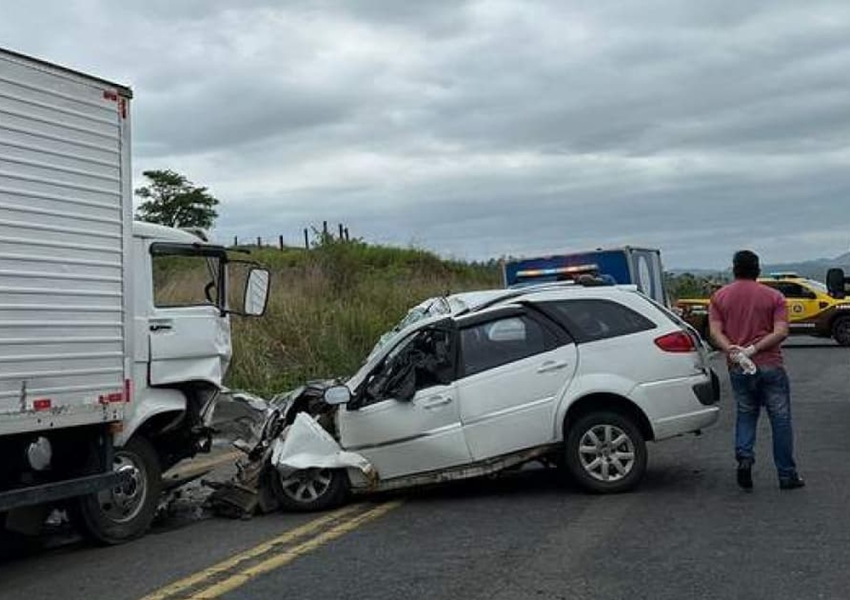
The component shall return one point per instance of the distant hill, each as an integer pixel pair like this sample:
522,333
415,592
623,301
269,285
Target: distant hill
813,269
699,272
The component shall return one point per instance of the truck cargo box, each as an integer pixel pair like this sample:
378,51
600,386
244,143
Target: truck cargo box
65,227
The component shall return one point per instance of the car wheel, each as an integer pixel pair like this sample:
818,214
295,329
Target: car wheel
311,489
605,452
841,330
124,512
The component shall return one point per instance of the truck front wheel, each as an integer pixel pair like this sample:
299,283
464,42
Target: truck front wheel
126,511
841,330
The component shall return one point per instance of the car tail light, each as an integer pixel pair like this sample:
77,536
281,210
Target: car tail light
678,341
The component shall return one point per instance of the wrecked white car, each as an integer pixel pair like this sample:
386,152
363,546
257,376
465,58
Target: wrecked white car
476,383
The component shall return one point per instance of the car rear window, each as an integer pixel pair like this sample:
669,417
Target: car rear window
589,320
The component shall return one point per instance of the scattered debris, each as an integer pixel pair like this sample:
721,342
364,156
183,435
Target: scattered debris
292,431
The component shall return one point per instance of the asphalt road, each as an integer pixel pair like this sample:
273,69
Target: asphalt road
688,532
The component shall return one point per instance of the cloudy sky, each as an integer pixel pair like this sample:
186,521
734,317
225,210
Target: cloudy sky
487,128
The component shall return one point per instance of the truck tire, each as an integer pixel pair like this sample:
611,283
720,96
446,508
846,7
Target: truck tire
124,513
310,489
605,452
841,330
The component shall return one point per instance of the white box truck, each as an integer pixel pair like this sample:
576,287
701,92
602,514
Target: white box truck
114,335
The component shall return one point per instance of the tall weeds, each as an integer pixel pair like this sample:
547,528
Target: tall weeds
329,306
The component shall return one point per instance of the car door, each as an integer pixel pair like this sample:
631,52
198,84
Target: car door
189,334
407,423
513,366
801,302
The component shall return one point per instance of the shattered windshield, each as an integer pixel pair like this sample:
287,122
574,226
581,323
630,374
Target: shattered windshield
429,308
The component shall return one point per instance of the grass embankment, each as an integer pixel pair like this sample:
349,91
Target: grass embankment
329,306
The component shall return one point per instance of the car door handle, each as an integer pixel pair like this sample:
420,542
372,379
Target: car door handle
552,365
435,402
160,326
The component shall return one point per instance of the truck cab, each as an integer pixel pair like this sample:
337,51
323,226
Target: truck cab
181,328
184,291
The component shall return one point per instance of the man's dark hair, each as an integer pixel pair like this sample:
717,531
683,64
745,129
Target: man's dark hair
745,265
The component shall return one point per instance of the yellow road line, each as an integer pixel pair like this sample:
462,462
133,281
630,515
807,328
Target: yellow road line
234,561
278,560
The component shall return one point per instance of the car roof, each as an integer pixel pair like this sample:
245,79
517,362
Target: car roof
796,279
547,294
467,302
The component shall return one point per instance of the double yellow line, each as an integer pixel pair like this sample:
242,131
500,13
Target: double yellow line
238,570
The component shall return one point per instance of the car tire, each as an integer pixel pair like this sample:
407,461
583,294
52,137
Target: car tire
605,452
841,331
310,490
124,512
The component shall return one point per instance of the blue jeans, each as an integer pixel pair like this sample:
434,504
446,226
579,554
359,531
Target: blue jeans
768,387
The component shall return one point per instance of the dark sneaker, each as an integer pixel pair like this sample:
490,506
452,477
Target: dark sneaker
791,483
745,475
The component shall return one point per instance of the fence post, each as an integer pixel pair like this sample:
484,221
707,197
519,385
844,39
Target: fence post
280,239
325,228
306,239
235,241
259,242
346,234
340,231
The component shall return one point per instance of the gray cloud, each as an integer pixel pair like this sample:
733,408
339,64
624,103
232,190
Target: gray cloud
488,127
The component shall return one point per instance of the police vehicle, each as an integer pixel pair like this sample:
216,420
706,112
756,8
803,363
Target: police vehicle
814,308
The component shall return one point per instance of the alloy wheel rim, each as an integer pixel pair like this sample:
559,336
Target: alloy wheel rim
607,453
306,485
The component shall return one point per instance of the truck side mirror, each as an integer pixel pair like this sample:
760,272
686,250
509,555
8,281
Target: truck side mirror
256,293
835,282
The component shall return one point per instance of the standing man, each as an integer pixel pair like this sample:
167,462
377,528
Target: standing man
748,320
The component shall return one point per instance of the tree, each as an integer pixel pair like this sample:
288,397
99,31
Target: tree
174,201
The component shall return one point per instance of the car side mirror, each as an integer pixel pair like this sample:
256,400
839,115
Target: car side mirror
836,282
337,394
256,292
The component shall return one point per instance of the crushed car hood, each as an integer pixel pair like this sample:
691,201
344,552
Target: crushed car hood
306,445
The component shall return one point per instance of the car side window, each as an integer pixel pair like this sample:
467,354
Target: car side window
424,359
793,290
495,343
181,280
597,319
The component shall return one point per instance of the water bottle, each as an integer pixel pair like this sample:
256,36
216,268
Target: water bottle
745,362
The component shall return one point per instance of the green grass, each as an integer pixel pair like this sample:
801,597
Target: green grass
329,305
